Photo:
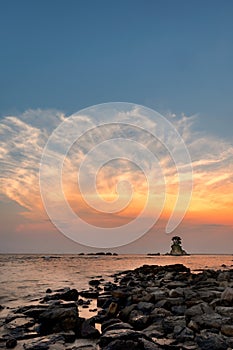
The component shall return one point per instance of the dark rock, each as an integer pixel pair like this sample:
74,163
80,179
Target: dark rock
138,320
58,318
199,309
225,310
227,330
112,310
123,345
94,283
89,294
124,313
120,325
171,322
110,322
123,334
214,320
88,330
11,343
69,295
227,295
145,307
48,290
211,341
147,345
44,343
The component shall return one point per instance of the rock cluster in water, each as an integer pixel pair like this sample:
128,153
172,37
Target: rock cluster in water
149,308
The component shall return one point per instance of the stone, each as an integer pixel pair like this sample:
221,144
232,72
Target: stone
225,310
94,283
89,294
211,341
170,322
122,345
112,310
147,345
227,330
176,293
69,295
103,299
227,295
155,330
108,323
11,343
139,322
183,334
88,330
199,309
120,325
45,343
58,318
124,313
145,307
159,311
210,320
123,334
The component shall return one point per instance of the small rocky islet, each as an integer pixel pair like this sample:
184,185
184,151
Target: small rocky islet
150,308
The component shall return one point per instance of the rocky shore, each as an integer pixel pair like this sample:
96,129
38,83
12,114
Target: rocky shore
149,308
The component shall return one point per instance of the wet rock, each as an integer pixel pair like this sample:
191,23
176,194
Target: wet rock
94,283
214,320
112,310
199,309
69,295
88,330
89,294
171,322
227,330
211,341
122,334
58,318
11,343
147,345
119,325
176,293
159,311
122,345
225,310
103,299
138,320
155,330
110,322
145,307
183,334
124,313
227,295
44,343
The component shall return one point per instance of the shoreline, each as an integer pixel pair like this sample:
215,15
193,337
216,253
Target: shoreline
147,308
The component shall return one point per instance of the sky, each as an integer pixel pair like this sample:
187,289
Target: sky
58,57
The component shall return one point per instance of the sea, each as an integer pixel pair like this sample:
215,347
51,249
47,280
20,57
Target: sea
24,279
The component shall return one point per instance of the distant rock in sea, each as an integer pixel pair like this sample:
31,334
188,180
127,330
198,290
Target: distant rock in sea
176,247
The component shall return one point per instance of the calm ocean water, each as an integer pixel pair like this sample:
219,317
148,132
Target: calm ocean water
24,278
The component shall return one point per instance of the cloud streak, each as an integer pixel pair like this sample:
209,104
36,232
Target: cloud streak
23,137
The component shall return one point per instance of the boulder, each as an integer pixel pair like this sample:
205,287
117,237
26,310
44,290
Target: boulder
227,295
211,341
88,330
58,318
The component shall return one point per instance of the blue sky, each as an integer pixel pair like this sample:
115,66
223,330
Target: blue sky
169,55
58,57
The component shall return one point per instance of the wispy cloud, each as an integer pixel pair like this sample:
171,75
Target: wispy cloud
23,137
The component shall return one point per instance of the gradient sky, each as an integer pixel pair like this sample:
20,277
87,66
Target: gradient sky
58,57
